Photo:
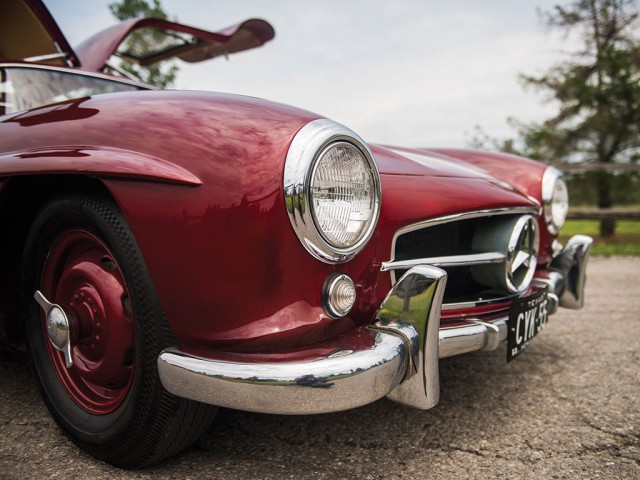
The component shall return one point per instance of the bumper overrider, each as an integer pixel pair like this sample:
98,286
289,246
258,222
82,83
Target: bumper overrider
401,363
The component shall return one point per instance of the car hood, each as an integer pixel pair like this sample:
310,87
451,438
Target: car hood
393,160
29,32
510,171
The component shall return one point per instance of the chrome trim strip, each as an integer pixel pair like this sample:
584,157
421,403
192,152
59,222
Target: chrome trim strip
448,261
302,156
76,71
121,71
479,302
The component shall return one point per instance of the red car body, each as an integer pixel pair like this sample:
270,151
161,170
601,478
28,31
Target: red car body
199,179
231,174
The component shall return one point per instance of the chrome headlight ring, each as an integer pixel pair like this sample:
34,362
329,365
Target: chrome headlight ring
319,142
555,198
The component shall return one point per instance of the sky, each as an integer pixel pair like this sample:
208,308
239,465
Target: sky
415,73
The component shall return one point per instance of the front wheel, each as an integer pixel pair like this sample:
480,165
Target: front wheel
97,333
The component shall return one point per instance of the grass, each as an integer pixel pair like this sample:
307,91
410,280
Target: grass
626,241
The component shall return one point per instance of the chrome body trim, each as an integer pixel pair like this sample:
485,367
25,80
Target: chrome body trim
120,71
571,264
401,362
474,335
76,71
334,383
303,154
414,305
449,261
479,303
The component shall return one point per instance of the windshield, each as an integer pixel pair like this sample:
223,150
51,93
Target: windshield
23,88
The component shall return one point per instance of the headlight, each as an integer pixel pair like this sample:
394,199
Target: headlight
332,190
556,199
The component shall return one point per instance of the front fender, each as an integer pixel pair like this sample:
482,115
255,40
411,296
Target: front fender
222,255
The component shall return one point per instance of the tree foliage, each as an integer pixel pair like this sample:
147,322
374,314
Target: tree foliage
597,90
143,41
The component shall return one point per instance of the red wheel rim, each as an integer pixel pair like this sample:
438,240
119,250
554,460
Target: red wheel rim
84,278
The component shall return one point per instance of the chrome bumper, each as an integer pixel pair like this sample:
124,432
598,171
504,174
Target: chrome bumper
402,364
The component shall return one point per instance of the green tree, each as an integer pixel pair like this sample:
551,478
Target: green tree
597,90
141,42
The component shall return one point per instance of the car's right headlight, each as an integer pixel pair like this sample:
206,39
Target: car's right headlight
332,190
555,197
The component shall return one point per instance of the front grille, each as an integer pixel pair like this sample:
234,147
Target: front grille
464,237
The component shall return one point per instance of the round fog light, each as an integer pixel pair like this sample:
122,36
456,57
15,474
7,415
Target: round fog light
338,295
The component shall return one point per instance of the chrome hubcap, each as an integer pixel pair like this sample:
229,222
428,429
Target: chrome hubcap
58,327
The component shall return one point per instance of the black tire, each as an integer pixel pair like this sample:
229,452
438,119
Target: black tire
142,424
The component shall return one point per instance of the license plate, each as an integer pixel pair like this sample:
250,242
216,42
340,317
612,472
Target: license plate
527,317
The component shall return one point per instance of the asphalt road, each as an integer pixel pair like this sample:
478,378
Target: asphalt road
568,407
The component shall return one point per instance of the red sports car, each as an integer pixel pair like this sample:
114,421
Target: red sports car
168,252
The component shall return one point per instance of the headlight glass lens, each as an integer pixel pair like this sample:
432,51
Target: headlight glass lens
342,193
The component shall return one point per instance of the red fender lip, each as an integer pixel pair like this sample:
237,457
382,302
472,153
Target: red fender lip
101,162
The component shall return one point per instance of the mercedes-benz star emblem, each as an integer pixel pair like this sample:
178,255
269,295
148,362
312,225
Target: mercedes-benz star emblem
522,253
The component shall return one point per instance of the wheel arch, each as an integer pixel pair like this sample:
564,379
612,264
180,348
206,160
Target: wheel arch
20,199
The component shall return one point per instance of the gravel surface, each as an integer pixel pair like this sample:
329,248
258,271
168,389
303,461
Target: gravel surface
568,407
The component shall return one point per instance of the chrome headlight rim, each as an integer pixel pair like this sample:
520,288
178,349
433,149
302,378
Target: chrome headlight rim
550,179
305,151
